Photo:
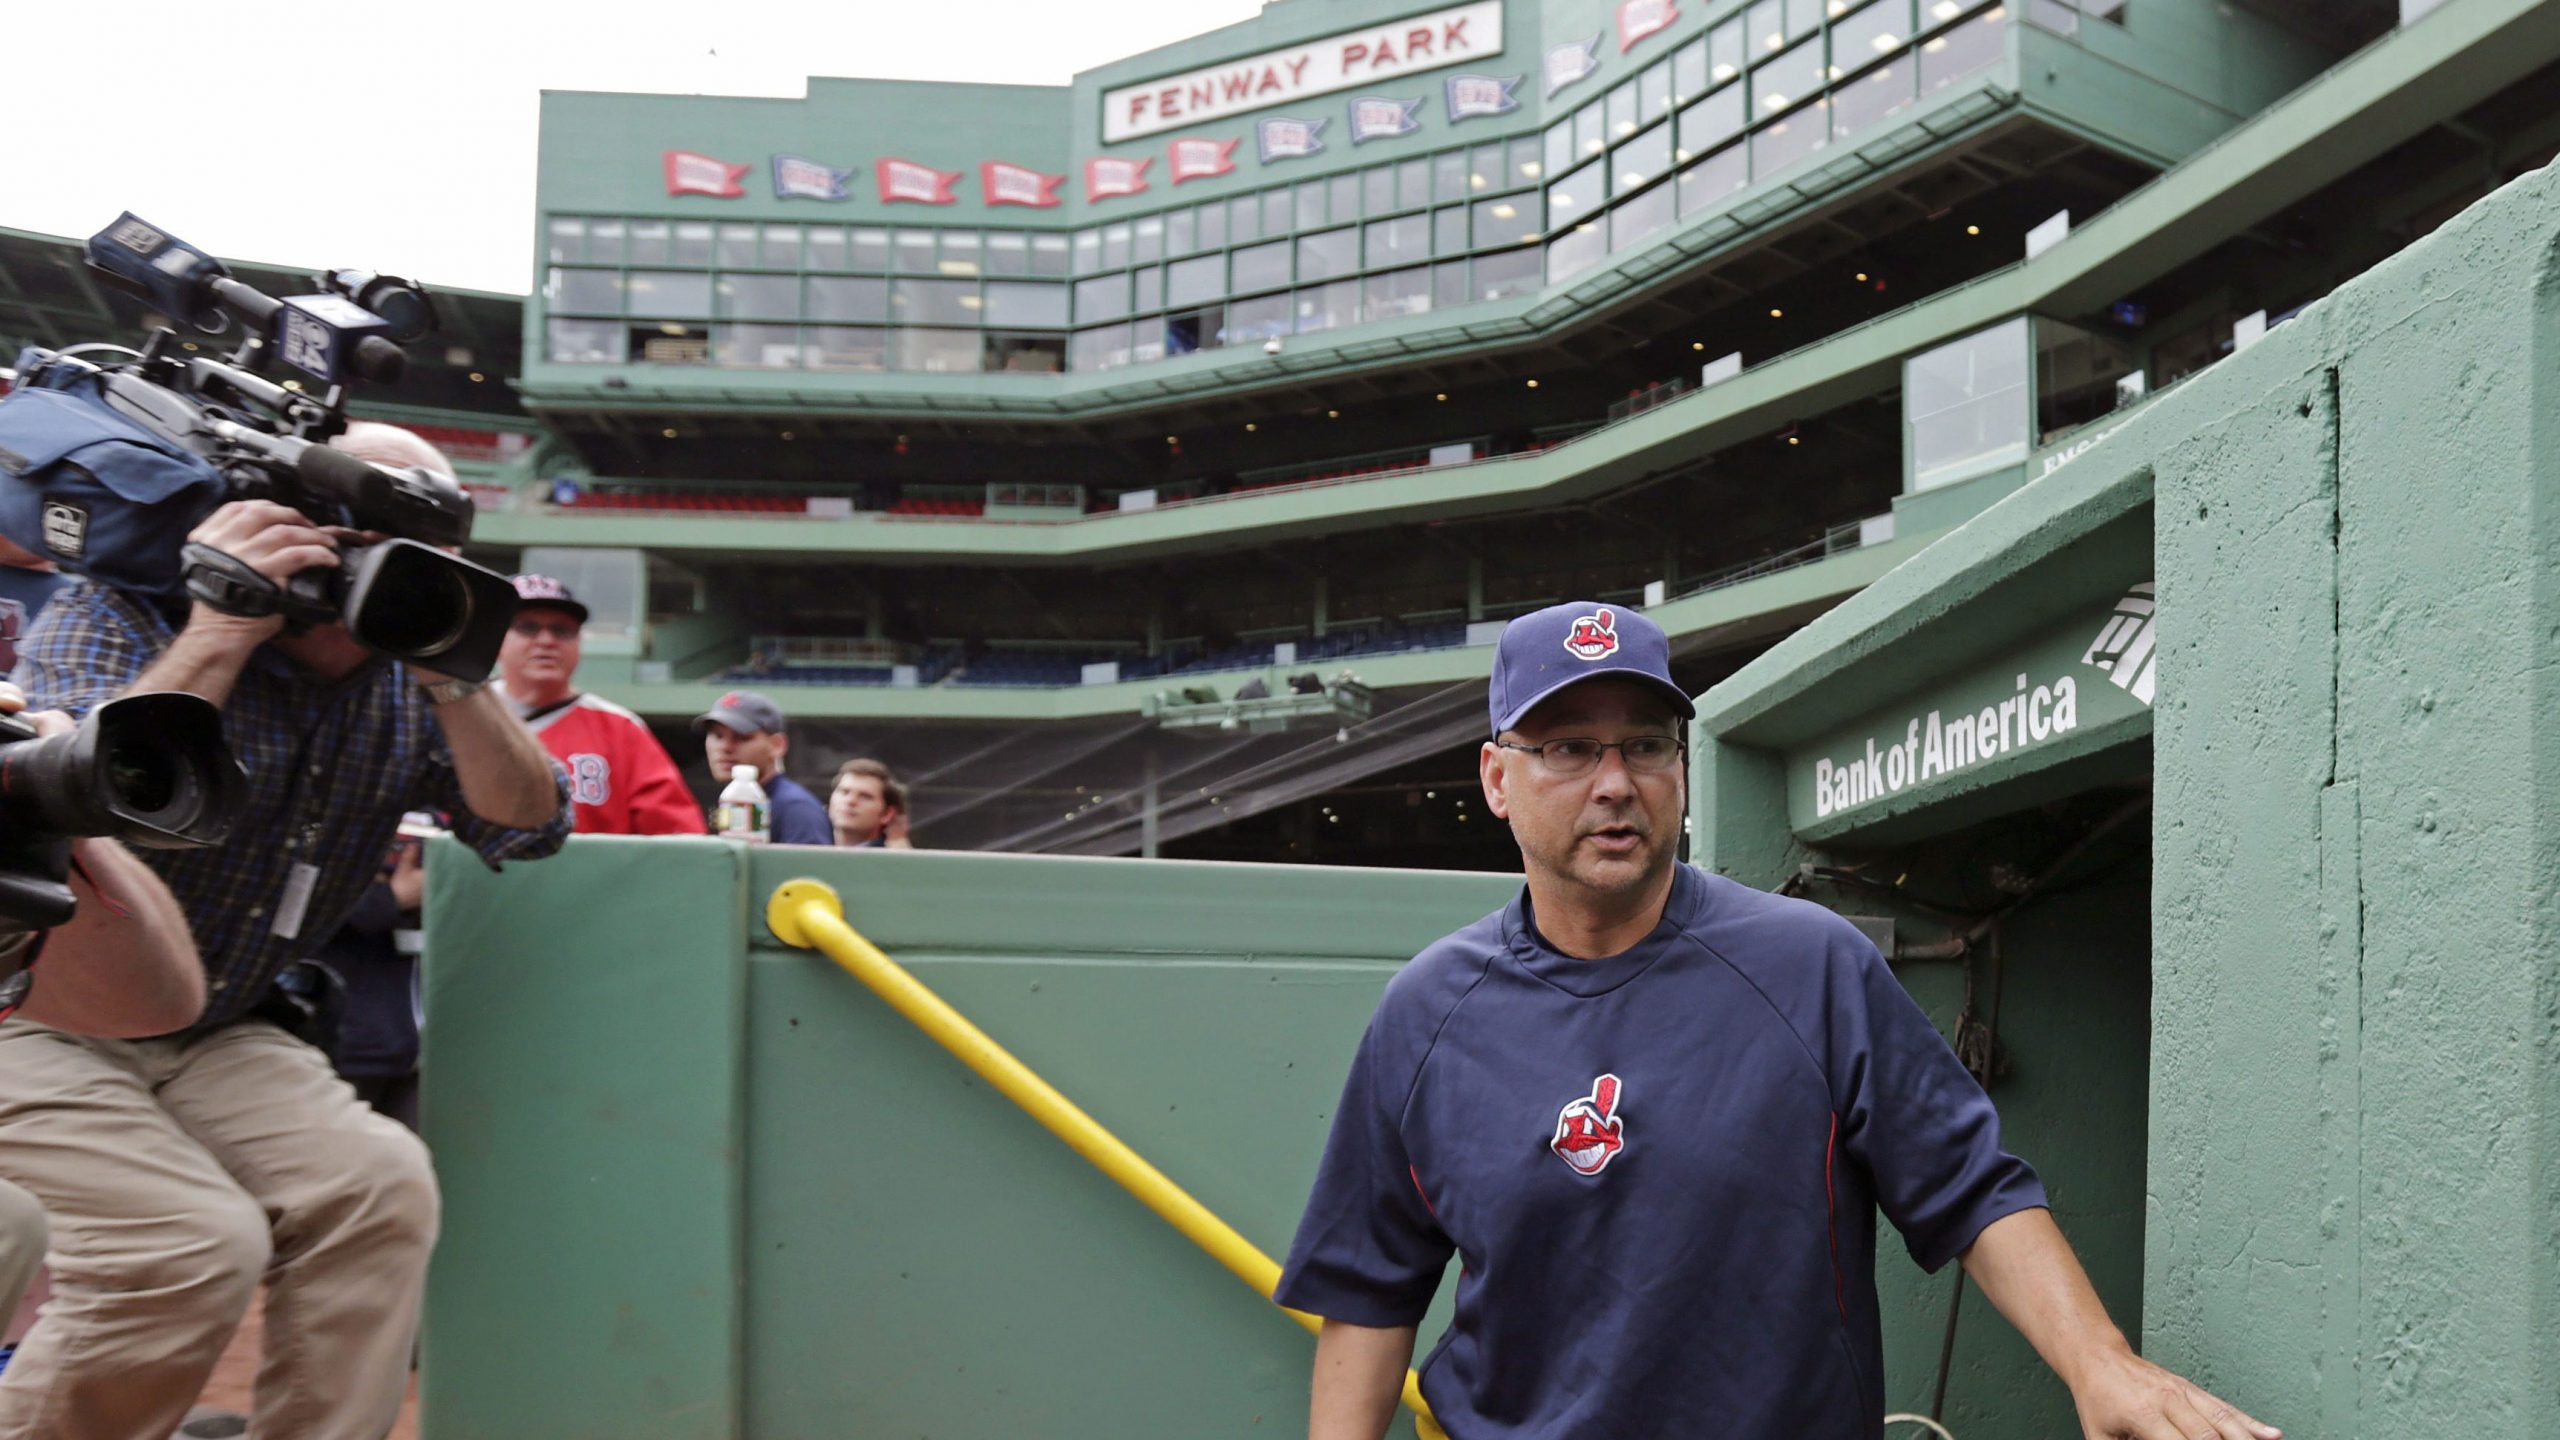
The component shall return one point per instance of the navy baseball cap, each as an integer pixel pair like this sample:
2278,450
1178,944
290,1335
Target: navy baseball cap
542,590
1544,651
744,711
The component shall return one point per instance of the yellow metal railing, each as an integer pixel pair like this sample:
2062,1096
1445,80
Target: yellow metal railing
807,914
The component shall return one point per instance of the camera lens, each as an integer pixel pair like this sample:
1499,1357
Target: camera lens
431,610
150,780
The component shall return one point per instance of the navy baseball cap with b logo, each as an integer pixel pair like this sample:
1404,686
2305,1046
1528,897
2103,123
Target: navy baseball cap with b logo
1544,651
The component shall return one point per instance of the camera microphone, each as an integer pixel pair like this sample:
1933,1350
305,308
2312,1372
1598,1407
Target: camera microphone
329,336
174,276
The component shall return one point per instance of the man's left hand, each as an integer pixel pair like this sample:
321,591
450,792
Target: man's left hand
2122,1396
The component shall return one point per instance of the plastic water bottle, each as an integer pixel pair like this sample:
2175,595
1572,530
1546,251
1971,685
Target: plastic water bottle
746,812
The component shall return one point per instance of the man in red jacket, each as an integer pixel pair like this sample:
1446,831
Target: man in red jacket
618,773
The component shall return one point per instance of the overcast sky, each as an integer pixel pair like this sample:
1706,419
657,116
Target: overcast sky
400,137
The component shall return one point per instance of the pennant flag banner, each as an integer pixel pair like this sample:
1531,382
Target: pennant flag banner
1289,139
1201,159
914,184
1106,177
1018,185
796,178
1639,19
691,174
1569,63
1473,95
1373,118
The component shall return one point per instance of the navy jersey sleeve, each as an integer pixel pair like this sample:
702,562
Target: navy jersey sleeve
1368,1250
1911,1114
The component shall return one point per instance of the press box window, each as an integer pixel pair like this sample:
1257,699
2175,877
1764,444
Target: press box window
588,342
670,292
1965,406
843,298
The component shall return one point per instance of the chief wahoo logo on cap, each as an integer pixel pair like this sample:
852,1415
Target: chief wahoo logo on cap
1589,1130
1594,635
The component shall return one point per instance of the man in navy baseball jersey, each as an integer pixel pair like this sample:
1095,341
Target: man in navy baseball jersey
1654,1113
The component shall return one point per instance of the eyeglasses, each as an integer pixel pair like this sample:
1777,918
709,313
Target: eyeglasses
1580,754
556,629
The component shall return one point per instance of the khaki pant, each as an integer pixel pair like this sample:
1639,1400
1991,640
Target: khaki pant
22,1241
177,1174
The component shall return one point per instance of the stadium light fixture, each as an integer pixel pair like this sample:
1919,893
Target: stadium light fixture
1862,277
786,435
1250,427
477,378
1533,384
1333,414
1777,314
1442,395
1973,229
669,432
1697,344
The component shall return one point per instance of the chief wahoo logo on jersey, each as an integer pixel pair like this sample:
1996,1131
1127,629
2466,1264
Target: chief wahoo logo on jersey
1589,1130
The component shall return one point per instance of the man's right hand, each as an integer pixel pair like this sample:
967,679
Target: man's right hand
277,541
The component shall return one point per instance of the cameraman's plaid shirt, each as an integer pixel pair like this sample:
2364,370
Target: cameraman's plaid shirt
332,766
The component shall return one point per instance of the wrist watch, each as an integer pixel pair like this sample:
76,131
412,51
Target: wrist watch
445,692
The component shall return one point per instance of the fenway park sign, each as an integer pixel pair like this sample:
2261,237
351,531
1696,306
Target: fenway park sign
1373,55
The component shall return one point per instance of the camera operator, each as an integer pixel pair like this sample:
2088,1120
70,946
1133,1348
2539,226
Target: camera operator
179,1170
123,965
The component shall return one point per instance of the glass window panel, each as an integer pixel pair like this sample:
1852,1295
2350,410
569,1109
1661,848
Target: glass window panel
1790,138
1146,341
1622,112
1764,29
1871,34
1104,297
1705,184
1484,169
652,242
1725,47
1088,247
1262,267
1787,81
693,242
1400,241
1150,289
1260,318
737,245
826,247
960,253
941,351
1027,354
1965,405
933,302
1026,307
1275,212
1191,282
1577,196
2054,15
1449,284
760,297
1653,93
1008,253
1641,161
781,248
670,292
914,251
1398,292
1343,193
1689,69
1326,306
1449,231
1377,191
1115,246
847,347
1147,240
1178,239
1413,183
1641,218
568,240
668,342
1506,220
1590,131
1048,254
870,249
1526,166
1331,253
1557,154
1449,175
1213,226
1803,17
1711,121
758,347
1972,46
833,297
1505,273
597,292
589,342
604,242
1099,349
1244,220
1576,250
1860,102
1310,208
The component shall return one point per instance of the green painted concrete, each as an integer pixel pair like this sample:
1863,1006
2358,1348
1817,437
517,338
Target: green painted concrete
2354,1075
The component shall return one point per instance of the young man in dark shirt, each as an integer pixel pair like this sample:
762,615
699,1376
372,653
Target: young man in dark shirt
745,728
1655,1113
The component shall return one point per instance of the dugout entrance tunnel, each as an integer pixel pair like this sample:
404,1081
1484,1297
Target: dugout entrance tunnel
2280,1009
